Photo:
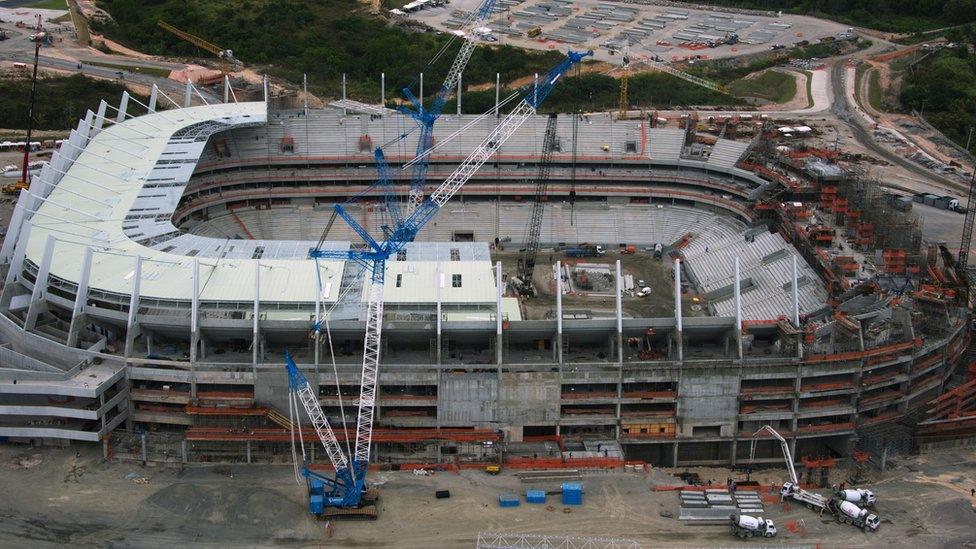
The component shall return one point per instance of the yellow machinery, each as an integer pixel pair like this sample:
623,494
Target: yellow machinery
15,188
493,469
226,56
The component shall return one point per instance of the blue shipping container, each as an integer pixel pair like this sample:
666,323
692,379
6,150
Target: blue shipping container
535,496
508,500
572,493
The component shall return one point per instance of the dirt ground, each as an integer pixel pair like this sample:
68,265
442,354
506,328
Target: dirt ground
923,502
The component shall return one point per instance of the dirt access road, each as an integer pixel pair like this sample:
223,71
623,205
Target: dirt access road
922,502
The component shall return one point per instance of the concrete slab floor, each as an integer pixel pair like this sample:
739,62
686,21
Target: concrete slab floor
923,502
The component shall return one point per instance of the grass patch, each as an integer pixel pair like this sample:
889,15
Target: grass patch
875,92
152,71
809,77
774,86
48,5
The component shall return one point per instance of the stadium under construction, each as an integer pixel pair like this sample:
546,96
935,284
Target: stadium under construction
157,271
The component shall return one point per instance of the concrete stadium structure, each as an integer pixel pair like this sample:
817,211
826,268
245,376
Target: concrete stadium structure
156,272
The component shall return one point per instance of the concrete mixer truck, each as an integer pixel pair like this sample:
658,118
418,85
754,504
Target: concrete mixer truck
745,526
858,496
845,511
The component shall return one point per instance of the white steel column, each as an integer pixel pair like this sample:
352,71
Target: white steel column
620,315
131,329
153,96
677,309
620,345
123,107
343,93
40,284
498,89
738,310
78,313
14,230
421,89
226,89
17,261
459,95
194,327
186,94
382,89
100,116
500,286
256,341
796,295
559,312
440,289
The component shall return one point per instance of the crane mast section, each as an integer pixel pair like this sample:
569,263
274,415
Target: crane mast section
300,385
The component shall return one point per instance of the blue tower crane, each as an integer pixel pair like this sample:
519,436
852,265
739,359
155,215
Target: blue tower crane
345,493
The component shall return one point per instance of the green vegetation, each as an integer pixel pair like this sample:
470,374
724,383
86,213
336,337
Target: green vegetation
907,16
152,71
60,102
809,76
323,38
48,5
943,88
875,92
598,92
772,85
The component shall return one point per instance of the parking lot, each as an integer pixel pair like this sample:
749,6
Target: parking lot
656,32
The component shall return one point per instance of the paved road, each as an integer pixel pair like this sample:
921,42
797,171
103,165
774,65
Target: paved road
19,49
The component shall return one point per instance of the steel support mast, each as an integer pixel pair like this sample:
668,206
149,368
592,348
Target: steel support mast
527,257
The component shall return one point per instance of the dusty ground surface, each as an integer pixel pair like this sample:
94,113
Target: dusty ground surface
923,502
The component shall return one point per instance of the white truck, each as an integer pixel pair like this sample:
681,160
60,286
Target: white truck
812,500
745,526
858,496
791,490
845,511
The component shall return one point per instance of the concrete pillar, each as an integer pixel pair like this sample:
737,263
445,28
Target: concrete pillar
421,89
132,329
674,455
226,89
81,298
183,452
16,264
559,312
249,451
40,285
264,83
123,107
679,339
153,96
145,449
737,295
500,288
257,311
459,95
343,92
194,328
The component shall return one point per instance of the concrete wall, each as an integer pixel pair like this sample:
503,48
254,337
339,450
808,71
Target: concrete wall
529,398
467,399
707,397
